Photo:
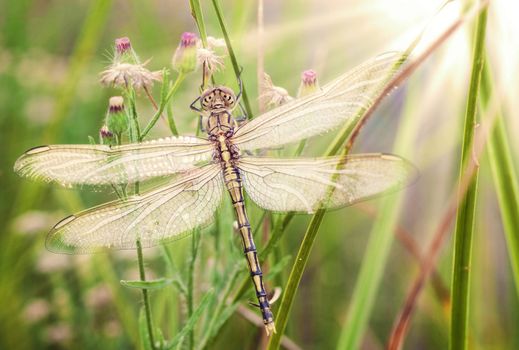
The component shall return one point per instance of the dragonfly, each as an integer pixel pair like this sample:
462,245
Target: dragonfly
200,170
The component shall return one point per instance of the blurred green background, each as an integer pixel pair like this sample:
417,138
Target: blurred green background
51,53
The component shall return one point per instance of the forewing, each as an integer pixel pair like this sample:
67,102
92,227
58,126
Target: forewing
303,185
70,165
334,105
166,213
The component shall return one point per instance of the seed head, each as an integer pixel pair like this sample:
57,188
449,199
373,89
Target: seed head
210,59
272,95
309,83
214,43
185,56
127,74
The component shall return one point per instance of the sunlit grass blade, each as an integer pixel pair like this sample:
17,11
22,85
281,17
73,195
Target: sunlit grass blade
505,179
377,251
464,230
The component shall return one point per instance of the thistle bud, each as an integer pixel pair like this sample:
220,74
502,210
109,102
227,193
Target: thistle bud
116,119
185,57
124,52
308,84
106,136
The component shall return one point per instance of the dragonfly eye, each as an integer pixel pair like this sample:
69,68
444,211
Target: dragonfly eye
206,101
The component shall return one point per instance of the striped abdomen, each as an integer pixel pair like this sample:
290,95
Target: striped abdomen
233,183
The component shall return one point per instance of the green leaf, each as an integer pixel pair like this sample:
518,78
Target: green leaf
505,179
466,209
149,284
191,322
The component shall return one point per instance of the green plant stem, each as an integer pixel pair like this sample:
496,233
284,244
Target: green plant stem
145,295
196,12
195,242
466,210
163,103
505,179
135,136
234,61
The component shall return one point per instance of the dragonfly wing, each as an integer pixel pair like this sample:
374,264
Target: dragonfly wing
166,213
302,185
336,103
71,165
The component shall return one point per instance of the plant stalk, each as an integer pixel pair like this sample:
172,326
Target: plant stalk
235,65
464,231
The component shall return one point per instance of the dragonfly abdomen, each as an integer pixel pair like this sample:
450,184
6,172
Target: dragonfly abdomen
234,186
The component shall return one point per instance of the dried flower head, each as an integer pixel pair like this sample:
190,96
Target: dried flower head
185,56
59,334
210,59
214,43
36,311
49,263
98,297
309,83
273,95
124,75
33,222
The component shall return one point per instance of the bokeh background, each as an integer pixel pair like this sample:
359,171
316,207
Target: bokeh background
51,53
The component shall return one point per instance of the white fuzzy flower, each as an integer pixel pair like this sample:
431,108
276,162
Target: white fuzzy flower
126,74
273,95
214,43
210,59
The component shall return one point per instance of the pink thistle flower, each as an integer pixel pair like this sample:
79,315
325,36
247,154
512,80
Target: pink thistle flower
185,57
309,83
123,45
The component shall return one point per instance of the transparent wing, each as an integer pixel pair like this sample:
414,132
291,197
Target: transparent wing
167,213
302,184
71,165
337,102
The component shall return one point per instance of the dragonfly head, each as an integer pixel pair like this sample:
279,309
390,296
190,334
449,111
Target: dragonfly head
218,98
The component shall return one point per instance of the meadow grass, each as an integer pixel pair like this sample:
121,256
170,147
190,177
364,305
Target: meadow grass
342,278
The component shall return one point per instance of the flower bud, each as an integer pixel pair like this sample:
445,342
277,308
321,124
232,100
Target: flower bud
107,137
116,119
308,84
185,57
124,52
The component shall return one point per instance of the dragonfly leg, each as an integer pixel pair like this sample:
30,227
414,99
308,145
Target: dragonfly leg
249,249
193,107
240,84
